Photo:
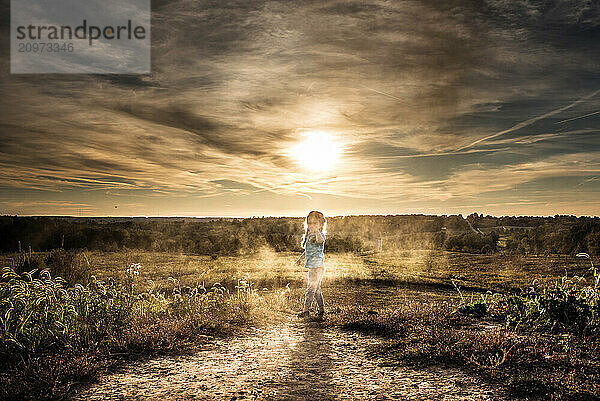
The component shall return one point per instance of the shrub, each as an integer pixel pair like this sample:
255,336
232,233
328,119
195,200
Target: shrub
528,386
477,308
27,262
569,305
472,243
336,243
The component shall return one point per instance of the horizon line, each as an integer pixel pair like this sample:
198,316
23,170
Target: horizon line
291,216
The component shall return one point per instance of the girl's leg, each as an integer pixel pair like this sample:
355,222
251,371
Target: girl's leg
319,293
320,300
311,288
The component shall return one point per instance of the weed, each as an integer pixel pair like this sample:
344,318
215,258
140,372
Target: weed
570,304
477,308
73,266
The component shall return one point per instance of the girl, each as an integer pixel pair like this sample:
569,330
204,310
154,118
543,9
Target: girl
313,243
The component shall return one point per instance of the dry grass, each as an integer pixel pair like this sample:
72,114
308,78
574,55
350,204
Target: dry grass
276,269
532,365
406,297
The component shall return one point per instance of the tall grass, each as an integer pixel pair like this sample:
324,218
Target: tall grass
45,314
41,315
72,266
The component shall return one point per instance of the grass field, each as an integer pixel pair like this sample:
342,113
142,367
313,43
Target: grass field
411,297
268,269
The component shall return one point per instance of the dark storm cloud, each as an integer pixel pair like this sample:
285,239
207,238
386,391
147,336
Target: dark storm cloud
430,100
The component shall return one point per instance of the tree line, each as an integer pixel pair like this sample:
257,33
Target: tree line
229,236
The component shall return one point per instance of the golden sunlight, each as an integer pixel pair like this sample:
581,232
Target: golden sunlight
318,151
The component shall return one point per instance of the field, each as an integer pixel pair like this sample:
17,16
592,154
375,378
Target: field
271,270
418,309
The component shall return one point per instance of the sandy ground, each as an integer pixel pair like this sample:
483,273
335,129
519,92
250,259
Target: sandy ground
294,360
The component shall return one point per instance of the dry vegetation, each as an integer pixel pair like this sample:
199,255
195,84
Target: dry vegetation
137,303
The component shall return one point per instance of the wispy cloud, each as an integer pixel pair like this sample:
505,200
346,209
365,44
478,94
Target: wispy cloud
478,180
530,121
595,178
577,118
419,93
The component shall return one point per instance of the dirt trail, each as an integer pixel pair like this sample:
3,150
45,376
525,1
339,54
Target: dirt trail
292,361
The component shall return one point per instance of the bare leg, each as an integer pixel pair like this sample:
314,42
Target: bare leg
320,300
313,289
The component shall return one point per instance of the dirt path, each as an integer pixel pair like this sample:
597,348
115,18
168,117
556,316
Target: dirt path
292,361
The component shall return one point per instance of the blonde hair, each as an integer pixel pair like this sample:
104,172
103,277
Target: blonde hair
320,220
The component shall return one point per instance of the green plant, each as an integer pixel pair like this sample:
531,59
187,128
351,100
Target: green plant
569,305
477,308
44,314
593,268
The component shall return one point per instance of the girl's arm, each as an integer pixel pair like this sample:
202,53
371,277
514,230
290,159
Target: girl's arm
318,235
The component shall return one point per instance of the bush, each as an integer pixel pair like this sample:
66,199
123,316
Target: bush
472,243
569,305
477,308
27,262
528,386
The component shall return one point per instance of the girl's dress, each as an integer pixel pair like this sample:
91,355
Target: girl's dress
314,261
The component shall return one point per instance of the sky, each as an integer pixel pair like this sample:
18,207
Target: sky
434,107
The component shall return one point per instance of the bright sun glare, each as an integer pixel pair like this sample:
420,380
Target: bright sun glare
318,151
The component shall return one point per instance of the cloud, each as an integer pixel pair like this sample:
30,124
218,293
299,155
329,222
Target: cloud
479,180
443,101
577,118
526,123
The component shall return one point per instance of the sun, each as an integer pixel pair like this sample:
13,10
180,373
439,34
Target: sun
318,151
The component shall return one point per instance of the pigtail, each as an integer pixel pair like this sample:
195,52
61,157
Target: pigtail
305,231
304,237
